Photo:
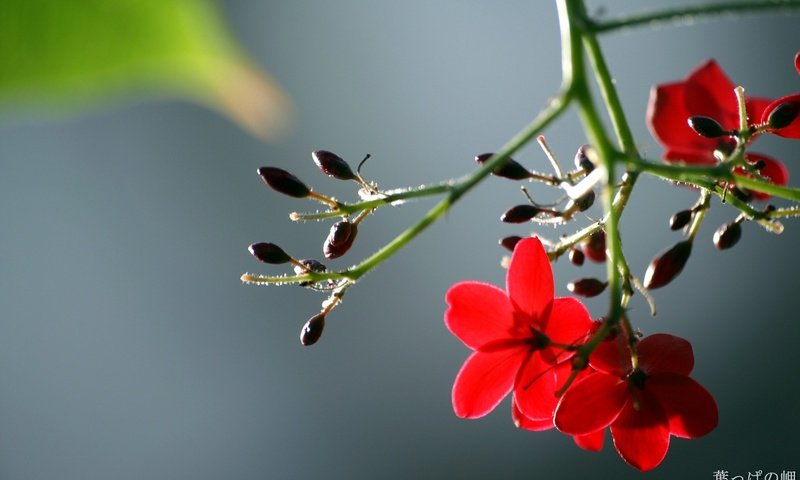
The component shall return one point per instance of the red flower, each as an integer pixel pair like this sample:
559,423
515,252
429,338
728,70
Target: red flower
644,405
518,337
706,91
793,129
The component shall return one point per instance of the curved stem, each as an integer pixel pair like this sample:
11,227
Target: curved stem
686,15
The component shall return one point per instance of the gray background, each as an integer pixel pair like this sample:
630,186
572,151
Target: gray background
129,349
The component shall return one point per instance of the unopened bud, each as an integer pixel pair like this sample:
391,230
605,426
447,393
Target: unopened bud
727,235
312,330
308,265
340,239
707,127
269,253
667,265
332,165
509,169
595,246
576,256
783,115
519,214
583,203
582,161
680,219
284,182
587,287
510,242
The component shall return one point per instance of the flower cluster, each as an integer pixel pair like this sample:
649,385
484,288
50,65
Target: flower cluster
526,342
697,120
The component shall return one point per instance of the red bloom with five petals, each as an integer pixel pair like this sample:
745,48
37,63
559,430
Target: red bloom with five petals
706,91
518,337
644,405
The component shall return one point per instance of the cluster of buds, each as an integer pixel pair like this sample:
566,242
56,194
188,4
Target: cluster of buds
340,238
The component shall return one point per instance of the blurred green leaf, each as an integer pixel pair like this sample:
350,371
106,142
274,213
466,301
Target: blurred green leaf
69,54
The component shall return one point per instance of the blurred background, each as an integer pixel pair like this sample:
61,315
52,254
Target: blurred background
129,348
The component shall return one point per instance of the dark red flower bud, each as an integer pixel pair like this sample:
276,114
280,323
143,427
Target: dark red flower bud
707,127
587,287
783,115
312,330
510,242
727,235
584,202
269,253
510,169
519,214
308,265
576,256
742,194
284,182
332,165
680,219
582,161
667,265
340,239
595,246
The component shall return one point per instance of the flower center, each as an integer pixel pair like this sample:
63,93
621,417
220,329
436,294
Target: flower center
636,379
538,340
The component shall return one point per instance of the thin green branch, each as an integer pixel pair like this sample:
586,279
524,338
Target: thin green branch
687,15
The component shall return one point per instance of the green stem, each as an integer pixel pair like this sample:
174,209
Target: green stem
687,15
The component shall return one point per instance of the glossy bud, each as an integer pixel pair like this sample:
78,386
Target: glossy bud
667,265
727,235
510,242
783,115
284,182
584,202
310,264
595,246
269,253
340,239
519,214
707,127
680,219
510,169
587,287
332,165
582,161
576,256
312,330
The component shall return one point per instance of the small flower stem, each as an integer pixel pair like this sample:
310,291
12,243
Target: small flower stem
687,15
699,214
742,104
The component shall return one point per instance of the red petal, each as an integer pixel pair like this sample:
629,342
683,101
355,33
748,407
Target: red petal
691,410
535,388
530,280
591,441
797,62
521,421
773,169
612,356
484,380
569,322
793,130
756,106
591,404
709,92
691,156
642,436
478,313
665,353
667,119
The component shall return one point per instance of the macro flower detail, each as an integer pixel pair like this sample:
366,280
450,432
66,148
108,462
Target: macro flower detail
643,405
792,130
706,92
519,337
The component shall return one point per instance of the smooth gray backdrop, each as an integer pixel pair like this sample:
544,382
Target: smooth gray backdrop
130,350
